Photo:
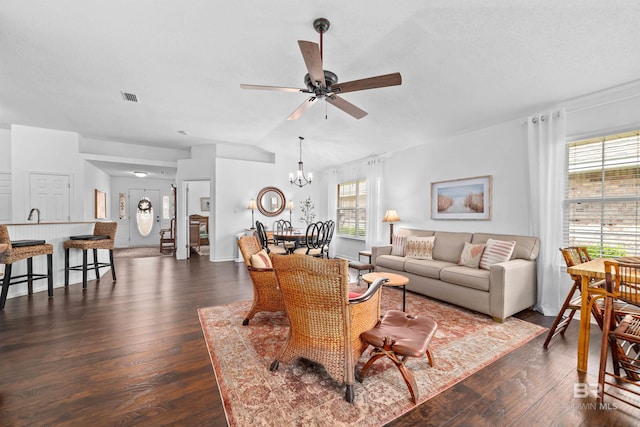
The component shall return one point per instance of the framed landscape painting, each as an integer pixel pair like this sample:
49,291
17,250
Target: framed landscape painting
468,198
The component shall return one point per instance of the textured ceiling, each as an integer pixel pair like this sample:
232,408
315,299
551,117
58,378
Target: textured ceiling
464,65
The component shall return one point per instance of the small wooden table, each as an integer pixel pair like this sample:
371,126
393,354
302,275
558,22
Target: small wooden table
593,269
394,280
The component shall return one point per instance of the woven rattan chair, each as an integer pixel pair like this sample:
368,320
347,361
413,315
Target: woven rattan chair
103,237
620,335
325,324
266,292
23,250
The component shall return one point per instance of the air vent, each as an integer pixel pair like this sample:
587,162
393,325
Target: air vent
128,96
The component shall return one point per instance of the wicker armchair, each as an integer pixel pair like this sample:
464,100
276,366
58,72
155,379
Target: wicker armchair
325,324
266,292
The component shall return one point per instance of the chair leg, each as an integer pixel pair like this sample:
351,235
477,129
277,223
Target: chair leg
113,267
66,267
30,275
95,264
50,274
5,285
84,269
561,321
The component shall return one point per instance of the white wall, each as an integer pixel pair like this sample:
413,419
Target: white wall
45,151
5,149
197,190
96,179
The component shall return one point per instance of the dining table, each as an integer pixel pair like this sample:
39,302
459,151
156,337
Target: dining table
297,236
587,271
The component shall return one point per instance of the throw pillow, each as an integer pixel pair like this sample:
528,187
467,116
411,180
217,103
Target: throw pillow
471,254
420,247
496,251
261,260
398,245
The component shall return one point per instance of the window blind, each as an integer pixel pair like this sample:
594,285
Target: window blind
352,213
603,195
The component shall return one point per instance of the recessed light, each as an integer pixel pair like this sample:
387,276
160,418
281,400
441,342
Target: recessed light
140,174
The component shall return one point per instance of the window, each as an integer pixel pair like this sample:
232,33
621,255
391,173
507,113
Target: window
603,195
352,209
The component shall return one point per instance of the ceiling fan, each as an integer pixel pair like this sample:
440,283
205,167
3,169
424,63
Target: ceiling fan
323,84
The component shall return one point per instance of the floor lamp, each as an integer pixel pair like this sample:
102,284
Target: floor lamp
391,216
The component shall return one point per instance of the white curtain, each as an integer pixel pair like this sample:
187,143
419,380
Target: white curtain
547,182
373,174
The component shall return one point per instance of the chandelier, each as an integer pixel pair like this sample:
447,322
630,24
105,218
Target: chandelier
299,178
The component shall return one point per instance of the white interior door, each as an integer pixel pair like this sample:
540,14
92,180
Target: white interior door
50,194
137,230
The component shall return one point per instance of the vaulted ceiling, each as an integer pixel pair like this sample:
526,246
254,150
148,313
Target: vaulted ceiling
464,65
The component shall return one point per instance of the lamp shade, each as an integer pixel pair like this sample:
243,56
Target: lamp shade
391,216
252,205
290,205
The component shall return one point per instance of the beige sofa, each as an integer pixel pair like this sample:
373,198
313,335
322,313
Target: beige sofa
503,290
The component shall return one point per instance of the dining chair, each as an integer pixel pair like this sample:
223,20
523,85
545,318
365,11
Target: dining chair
315,240
620,335
573,255
330,227
265,242
325,323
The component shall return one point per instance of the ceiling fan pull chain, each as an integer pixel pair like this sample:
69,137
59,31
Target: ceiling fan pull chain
326,113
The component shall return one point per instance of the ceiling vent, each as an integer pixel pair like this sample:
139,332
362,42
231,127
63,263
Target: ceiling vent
128,96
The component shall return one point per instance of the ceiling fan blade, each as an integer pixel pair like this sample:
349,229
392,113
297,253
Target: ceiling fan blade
276,88
385,80
346,106
302,108
313,61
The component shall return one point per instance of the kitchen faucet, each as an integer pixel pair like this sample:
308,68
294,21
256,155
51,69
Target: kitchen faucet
31,214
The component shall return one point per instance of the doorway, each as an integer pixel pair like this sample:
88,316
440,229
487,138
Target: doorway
144,225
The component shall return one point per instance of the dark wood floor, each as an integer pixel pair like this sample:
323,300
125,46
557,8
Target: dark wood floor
133,353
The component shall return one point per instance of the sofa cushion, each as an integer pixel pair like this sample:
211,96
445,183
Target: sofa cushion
426,267
419,247
471,254
496,251
390,261
465,276
398,244
448,245
527,247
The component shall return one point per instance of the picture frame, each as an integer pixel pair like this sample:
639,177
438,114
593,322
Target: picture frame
466,198
100,204
205,204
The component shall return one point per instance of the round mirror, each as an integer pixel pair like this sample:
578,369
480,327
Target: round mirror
271,201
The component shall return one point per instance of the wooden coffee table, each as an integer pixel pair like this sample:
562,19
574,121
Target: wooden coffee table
394,280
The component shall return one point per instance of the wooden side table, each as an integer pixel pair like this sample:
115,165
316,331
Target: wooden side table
394,280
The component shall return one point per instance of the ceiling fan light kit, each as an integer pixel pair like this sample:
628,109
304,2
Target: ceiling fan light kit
323,84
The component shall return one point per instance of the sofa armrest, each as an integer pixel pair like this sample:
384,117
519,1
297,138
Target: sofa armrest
512,287
376,251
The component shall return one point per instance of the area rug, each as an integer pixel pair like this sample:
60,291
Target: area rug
303,394
149,251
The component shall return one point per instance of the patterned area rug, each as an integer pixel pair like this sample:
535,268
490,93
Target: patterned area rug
303,394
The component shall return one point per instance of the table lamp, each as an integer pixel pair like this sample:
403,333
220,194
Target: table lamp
391,216
252,206
290,206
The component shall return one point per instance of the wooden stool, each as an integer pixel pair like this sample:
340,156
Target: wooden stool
360,267
103,237
19,250
399,336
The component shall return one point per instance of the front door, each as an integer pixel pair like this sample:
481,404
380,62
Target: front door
144,213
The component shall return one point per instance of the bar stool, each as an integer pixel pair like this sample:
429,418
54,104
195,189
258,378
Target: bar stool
103,237
19,250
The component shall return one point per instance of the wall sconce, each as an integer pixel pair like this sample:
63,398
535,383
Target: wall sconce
391,216
252,206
